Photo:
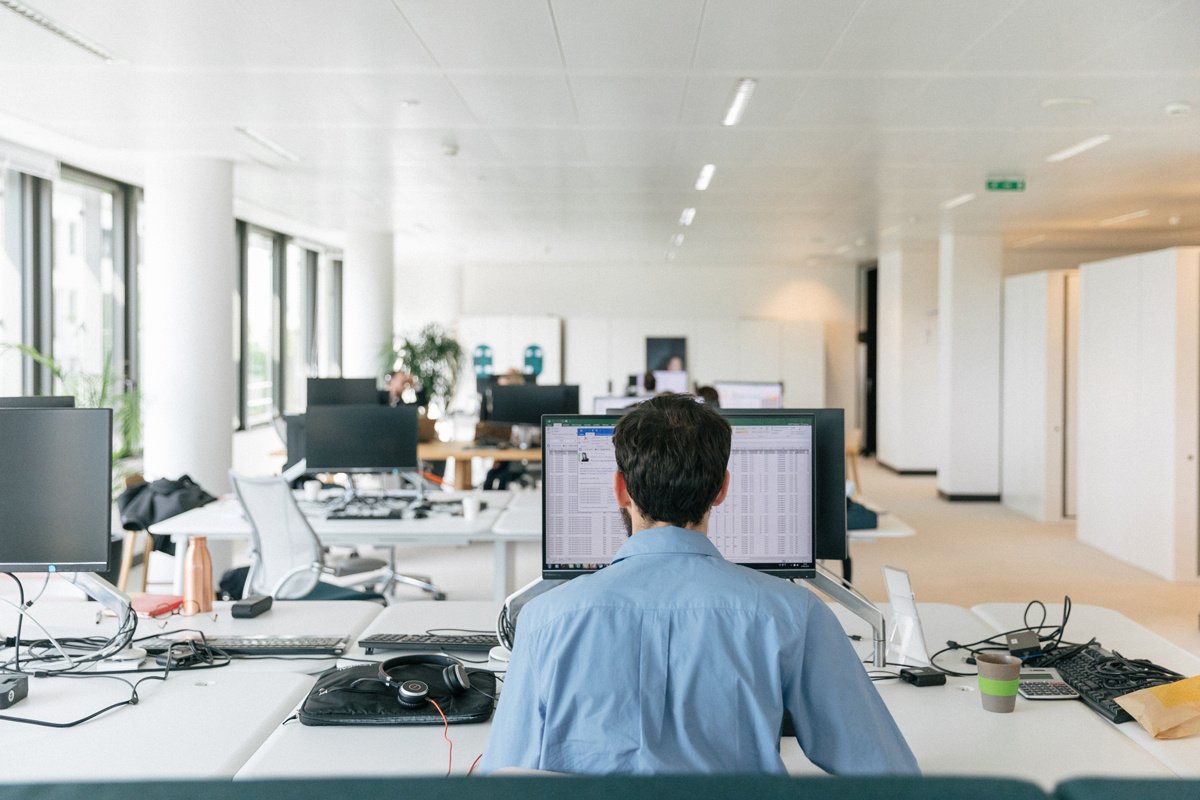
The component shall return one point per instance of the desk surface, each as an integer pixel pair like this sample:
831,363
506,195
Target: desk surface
946,727
440,451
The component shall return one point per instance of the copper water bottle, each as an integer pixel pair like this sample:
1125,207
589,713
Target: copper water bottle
197,577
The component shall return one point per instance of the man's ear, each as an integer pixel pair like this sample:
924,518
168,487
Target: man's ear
621,491
720,498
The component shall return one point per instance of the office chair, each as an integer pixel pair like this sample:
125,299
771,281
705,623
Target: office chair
287,560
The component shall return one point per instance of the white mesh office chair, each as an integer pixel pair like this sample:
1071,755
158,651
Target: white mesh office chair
287,560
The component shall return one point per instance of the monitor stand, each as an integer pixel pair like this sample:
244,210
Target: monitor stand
111,598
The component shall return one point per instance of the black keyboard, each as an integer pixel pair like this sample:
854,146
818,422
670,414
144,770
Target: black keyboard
1100,677
428,642
260,645
369,512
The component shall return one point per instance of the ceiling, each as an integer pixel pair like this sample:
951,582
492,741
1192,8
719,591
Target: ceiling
572,131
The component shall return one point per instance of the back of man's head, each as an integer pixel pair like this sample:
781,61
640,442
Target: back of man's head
673,453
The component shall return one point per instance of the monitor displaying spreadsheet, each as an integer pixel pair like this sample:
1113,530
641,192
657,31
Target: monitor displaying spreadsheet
766,521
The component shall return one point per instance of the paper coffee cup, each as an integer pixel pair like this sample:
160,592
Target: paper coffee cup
312,491
471,506
998,676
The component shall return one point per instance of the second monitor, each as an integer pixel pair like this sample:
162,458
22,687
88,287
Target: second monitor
360,438
525,404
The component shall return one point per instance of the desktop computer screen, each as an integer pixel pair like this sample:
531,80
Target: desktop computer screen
293,438
56,401
766,521
525,404
342,391
360,438
749,394
610,403
56,494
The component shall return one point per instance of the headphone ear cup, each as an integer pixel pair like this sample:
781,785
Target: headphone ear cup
412,694
456,678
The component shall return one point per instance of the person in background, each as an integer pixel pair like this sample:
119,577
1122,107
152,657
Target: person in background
709,395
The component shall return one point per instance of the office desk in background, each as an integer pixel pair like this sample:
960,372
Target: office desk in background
946,727
464,452
224,520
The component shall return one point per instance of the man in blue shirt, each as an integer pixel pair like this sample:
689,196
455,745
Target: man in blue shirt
673,659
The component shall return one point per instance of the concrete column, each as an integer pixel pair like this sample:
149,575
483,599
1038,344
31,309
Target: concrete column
970,274
367,301
907,366
189,380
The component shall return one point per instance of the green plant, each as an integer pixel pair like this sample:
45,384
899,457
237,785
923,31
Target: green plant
433,357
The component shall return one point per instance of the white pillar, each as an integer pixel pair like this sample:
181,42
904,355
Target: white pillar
189,380
907,366
970,273
367,286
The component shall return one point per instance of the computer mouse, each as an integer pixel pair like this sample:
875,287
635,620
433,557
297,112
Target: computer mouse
420,513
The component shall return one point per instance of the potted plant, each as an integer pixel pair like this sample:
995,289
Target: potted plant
434,358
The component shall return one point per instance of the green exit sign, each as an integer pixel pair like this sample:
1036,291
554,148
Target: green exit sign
1006,185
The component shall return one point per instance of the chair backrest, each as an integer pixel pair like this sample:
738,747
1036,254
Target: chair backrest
285,554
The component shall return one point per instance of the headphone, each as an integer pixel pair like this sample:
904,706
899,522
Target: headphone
414,693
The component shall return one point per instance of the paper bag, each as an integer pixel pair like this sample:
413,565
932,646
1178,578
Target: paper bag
1170,711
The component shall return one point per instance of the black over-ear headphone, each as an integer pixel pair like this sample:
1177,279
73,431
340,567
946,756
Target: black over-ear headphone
413,693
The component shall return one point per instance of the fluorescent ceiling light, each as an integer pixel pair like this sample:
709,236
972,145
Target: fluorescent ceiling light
1145,212
706,176
677,239
687,216
955,202
1040,237
1076,149
58,29
259,139
1051,102
741,98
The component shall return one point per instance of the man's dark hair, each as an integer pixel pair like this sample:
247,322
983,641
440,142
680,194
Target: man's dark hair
673,453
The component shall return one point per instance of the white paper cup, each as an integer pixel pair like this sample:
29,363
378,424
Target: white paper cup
312,491
471,507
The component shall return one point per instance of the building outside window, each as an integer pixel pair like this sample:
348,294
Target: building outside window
295,327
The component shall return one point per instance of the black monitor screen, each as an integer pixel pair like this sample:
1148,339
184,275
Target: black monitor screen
525,404
295,438
38,402
56,494
342,391
360,438
766,521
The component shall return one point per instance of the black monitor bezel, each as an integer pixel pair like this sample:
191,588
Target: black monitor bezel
358,391
389,413
103,417
39,401
805,571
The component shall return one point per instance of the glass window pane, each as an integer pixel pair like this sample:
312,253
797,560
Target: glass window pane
295,368
260,327
88,293
10,281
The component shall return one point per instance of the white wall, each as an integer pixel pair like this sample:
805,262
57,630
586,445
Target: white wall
1139,369
720,306
907,359
1033,400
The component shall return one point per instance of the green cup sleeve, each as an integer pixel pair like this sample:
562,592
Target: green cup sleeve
998,688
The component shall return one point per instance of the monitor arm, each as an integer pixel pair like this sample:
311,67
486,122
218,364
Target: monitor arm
102,592
835,589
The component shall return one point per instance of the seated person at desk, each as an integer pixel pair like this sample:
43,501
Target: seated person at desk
673,659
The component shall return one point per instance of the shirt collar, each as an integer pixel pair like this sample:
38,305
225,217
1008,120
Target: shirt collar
669,539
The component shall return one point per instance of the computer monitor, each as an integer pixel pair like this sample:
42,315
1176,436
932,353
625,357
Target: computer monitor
294,438
749,394
342,392
525,404
56,494
57,401
766,522
360,438
670,381
610,403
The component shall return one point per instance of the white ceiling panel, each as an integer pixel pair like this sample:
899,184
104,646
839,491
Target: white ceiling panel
838,100
484,34
966,101
895,35
741,35
529,100
635,102
629,146
633,35
708,98
539,145
1167,41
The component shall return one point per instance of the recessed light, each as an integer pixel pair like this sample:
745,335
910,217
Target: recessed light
677,239
270,144
1040,237
411,102
687,216
58,29
706,176
955,202
1052,102
741,98
1076,149
1132,215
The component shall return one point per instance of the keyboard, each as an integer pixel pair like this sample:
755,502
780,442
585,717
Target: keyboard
369,512
1100,677
428,642
260,645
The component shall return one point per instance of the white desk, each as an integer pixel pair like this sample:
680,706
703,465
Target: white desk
947,728
1117,632
224,520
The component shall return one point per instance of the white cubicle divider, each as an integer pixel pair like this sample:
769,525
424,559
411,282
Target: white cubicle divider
1139,409
1039,364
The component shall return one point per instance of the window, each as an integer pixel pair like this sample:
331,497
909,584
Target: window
296,324
11,285
261,329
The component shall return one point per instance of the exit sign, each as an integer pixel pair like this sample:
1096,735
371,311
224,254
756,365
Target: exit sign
1006,185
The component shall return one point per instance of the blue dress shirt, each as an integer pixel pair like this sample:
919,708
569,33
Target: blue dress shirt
673,659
